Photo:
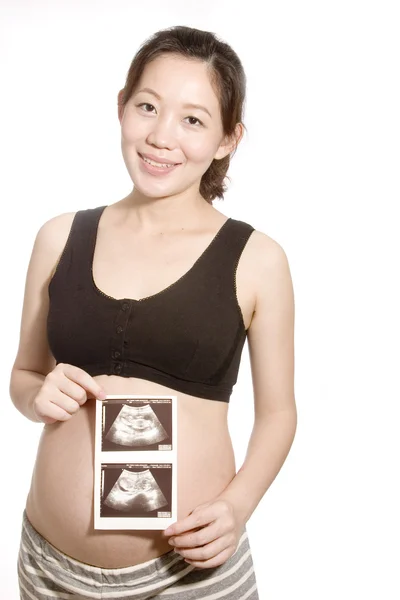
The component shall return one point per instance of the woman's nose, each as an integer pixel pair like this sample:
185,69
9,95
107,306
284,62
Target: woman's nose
163,134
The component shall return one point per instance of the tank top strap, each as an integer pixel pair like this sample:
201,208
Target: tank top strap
236,236
224,254
75,264
84,235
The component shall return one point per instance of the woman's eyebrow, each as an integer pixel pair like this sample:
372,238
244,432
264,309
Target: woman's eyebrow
199,106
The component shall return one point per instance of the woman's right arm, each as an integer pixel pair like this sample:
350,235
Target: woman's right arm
62,388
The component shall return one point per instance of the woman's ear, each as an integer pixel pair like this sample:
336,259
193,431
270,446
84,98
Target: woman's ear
229,143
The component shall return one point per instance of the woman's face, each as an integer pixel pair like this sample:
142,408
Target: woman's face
157,121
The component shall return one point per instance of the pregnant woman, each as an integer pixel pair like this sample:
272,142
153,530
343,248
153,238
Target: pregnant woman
156,294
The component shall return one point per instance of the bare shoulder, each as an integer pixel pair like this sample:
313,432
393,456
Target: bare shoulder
270,278
266,248
51,239
55,225
48,246
264,256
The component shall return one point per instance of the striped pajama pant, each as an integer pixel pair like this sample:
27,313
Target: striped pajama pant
46,573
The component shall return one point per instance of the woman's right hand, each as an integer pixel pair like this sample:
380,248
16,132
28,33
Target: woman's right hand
65,389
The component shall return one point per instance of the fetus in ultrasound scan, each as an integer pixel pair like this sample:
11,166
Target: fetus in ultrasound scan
136,426
135,489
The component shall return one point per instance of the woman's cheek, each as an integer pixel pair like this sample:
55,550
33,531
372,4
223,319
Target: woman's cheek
198,152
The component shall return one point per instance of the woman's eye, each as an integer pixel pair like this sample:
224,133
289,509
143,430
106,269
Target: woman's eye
145,104
196,119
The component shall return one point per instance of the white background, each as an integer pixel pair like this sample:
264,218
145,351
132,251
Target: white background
318,171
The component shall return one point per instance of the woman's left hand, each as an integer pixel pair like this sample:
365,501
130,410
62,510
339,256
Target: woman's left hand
209,535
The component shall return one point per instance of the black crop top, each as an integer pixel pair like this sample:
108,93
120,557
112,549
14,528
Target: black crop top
188,337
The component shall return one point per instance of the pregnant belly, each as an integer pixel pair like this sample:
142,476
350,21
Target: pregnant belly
60,501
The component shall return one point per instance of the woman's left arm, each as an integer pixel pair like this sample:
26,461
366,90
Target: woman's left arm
271,351
210,534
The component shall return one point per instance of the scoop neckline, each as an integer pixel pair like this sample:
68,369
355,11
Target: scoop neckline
166,289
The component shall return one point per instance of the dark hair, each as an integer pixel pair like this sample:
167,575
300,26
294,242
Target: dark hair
227,77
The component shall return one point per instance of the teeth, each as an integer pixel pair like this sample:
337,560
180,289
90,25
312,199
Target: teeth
156,164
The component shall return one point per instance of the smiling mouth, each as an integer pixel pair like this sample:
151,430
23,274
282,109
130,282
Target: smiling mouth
157,164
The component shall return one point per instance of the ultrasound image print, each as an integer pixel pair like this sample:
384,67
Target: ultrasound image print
138,489
136,426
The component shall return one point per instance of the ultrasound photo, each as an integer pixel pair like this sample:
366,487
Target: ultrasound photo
136,490
132,425
135,462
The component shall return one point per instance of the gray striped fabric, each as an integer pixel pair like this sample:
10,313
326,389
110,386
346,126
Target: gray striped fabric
46,573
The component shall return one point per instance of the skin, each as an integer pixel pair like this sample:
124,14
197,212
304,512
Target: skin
162,226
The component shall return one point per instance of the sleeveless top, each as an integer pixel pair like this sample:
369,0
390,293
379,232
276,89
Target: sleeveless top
188,337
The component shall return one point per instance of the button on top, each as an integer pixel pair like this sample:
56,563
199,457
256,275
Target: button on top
116,354
125,306
119,329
